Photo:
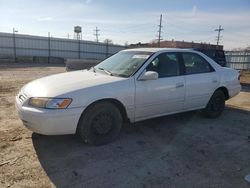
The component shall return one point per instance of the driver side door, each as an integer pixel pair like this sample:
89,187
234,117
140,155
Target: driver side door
164,95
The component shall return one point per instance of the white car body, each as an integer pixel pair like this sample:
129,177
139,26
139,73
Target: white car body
140,99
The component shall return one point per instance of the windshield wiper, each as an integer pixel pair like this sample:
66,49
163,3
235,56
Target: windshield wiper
106,71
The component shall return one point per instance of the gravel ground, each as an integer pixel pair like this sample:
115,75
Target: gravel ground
183,150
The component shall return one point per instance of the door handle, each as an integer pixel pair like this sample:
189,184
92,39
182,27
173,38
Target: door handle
179,85
214,81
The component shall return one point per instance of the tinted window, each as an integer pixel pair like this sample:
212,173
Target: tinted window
220,54
209,53
165,65
195,64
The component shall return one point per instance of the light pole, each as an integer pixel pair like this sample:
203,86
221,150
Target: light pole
14,43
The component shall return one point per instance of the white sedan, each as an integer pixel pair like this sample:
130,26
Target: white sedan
132,85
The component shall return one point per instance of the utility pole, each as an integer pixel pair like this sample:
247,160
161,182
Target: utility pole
218,38
159,32
97,34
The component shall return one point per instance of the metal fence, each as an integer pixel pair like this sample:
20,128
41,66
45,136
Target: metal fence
16,45
239,60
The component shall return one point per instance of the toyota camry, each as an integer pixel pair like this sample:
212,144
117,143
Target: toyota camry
130,86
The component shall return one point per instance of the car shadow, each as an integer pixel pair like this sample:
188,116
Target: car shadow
140,150
64,158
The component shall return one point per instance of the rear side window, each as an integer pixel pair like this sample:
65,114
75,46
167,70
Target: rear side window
195,64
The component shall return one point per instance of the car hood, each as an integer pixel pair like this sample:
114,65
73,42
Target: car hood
60,84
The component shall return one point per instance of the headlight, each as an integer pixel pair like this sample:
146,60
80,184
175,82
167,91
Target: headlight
51,103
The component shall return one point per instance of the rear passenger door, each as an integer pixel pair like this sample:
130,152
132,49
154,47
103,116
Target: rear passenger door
201,81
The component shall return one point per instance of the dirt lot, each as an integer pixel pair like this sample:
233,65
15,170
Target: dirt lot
245,77
184,150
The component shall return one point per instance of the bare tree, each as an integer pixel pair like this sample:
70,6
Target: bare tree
108,41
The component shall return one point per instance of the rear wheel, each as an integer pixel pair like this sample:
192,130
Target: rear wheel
100,124
215,105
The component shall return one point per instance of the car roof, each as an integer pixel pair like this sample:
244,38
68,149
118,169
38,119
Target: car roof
201,49
153,50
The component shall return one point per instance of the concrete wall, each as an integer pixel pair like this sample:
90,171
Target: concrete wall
80,64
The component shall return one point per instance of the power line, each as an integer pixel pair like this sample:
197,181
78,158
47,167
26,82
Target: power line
218,38
159,31
97,34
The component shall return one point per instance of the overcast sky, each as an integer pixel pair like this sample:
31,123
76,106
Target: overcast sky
131,21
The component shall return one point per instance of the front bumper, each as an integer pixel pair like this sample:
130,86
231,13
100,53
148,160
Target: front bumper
49,121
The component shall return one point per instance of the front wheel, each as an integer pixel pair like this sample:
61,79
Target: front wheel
215,105
100,124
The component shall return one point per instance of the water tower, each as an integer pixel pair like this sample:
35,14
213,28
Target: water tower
78,32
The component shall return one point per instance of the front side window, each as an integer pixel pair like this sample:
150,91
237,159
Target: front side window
124,63
195,64
165,65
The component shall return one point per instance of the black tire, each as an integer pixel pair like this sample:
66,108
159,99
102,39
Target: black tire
215,105
100,124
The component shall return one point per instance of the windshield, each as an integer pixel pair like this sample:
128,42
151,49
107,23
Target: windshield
124,63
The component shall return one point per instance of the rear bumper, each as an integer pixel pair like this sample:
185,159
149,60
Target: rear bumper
234,91
47,121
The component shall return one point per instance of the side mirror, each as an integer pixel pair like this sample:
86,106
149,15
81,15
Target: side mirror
149,75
